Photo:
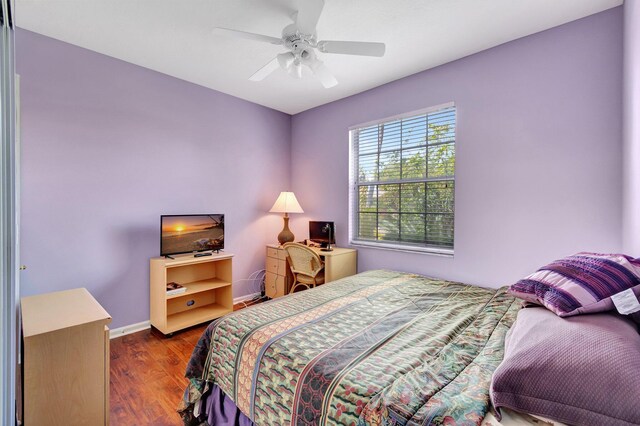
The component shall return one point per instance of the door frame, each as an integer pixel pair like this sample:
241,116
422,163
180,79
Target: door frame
9,217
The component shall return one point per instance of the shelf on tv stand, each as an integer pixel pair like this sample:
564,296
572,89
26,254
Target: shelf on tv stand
186,319
199,286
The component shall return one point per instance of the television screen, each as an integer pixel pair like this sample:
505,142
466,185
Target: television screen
191,233
319,232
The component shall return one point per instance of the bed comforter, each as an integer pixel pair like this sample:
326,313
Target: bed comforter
377,348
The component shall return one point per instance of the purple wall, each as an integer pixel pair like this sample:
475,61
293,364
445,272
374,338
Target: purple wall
108,146
631,209
538,152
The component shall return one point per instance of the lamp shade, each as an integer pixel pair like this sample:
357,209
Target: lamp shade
286,203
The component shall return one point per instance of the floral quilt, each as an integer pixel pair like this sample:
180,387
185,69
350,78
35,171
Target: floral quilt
377,348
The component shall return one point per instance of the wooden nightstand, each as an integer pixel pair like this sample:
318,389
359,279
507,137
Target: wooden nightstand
339,263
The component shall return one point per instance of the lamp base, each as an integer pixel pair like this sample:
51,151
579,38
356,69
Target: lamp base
285,236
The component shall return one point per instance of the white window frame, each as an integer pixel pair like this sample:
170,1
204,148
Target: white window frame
353,189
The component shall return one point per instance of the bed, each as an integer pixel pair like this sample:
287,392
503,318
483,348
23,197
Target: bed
377,348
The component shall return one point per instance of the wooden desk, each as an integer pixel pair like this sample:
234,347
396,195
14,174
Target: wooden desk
66,359
339,263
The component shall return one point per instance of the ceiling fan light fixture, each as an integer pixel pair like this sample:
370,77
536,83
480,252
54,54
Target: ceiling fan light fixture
296,70
285,60
321,71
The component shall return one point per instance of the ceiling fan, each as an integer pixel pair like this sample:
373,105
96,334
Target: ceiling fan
301,40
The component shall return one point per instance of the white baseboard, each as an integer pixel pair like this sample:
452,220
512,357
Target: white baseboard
134,328
128,329
246,297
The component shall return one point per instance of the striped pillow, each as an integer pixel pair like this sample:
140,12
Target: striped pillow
580,284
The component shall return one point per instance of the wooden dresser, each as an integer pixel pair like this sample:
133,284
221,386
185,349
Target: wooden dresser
66,359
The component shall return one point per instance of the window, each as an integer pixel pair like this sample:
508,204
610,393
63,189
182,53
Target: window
402,181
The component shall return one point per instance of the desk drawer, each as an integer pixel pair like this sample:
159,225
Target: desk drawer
275,285
275,266
276,253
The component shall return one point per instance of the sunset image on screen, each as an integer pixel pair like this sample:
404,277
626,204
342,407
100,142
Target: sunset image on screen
185,224
183,234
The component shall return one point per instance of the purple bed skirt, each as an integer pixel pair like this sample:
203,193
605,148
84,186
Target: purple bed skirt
220,410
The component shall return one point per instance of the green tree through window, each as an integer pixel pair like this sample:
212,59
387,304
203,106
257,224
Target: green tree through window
404,185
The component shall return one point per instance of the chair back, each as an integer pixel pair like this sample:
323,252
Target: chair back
302,259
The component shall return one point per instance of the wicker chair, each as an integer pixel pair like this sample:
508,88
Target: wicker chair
306,266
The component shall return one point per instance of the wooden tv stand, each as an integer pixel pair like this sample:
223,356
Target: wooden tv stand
209,294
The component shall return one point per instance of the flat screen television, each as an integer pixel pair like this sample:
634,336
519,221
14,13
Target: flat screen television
191,233
319,232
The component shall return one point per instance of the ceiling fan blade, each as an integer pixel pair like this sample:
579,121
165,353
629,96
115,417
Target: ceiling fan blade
248,36
363,48
270,67
324,75
308,14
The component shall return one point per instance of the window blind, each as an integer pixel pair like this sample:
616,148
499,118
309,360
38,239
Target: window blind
402,174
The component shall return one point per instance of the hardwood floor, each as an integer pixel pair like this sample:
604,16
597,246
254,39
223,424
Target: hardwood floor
147,376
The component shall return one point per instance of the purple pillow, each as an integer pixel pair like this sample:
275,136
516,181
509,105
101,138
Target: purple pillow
582,370
580,284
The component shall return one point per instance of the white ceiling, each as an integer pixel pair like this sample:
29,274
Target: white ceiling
175,37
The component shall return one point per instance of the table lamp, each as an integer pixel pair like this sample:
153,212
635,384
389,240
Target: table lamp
286,203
